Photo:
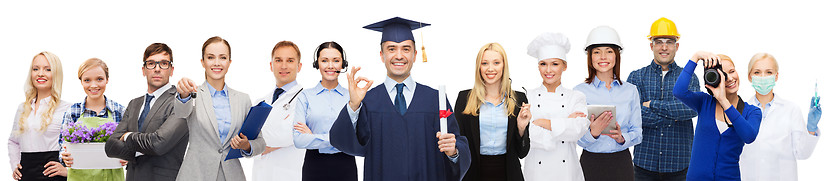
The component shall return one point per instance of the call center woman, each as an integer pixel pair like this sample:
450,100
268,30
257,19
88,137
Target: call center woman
317,108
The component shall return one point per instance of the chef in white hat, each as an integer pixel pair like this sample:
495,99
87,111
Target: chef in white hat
558,115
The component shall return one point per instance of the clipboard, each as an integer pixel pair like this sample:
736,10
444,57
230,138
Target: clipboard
252,125
596,110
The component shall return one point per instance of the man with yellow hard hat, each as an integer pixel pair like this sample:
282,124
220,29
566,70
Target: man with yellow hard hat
668,133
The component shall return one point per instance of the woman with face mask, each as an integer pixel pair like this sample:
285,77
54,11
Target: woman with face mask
724,123
316,110
783,137
95,109
558,115
33,144
607,156
489,115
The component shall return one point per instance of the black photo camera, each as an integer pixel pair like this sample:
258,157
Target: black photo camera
712,77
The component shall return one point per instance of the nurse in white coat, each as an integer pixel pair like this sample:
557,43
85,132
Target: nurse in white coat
558,115
783,137
281,158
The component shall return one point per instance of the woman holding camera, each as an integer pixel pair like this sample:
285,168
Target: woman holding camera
724,123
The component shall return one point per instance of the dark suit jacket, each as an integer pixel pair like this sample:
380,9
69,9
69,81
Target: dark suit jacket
517,146
163,140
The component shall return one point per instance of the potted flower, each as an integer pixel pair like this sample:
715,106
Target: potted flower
87,145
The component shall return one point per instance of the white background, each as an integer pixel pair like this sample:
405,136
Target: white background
801,34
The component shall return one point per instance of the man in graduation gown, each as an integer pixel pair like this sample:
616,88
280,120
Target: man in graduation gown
395,125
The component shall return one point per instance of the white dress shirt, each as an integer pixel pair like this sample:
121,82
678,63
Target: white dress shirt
782,139
33,139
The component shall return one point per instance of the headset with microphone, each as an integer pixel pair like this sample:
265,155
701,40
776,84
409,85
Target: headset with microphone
331,44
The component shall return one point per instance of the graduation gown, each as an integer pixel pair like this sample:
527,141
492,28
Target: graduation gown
400,147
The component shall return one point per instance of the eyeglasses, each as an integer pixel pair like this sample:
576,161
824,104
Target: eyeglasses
152,64
664,41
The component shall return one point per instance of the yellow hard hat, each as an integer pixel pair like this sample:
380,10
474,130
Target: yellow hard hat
663,27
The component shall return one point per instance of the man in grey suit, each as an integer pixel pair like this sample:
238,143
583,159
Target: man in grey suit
149,137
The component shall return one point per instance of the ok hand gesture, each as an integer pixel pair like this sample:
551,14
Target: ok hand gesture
356,93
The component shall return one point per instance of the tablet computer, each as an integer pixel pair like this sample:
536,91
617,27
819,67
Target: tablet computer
597,110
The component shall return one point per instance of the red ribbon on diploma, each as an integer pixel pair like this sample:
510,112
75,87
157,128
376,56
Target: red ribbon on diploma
445,113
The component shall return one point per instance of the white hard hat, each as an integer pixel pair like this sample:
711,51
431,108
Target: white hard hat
603,35
549,45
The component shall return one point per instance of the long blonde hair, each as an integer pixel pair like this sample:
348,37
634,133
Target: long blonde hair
476,97
32,93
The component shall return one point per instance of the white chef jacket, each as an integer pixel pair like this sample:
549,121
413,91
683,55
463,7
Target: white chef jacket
782,139
286,162
553,154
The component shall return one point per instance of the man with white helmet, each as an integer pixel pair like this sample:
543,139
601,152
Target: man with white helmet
666,150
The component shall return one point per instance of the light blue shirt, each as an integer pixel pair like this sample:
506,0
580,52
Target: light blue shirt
492,125
318,108
221,106
287,89
628,114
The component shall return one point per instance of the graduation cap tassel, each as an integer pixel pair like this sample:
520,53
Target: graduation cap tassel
423,47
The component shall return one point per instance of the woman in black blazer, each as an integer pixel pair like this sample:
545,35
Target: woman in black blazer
498,137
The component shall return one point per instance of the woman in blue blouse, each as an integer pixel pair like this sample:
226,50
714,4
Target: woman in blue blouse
605,156
316,110
724,121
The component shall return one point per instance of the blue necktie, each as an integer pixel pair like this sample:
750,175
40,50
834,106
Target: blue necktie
399,101
277,93
145,111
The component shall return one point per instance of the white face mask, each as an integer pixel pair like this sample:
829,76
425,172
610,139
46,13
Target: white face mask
763,85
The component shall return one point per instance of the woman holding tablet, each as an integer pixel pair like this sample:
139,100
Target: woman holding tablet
606,156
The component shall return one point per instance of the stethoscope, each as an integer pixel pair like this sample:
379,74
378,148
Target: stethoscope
286,106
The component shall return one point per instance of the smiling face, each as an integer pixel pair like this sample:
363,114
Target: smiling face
286,65
41,75
398,58
158,77
329,64
491,67
732,81
216,61
94,82
603,59
664,49
551,70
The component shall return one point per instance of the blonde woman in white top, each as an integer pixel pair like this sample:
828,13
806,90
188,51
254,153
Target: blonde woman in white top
33,144
558,115
783,137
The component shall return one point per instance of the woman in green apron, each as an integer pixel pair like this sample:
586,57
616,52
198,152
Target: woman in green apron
94,111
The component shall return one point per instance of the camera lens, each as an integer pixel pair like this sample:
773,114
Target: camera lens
711,77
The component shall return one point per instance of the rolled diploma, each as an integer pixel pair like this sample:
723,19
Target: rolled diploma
442,107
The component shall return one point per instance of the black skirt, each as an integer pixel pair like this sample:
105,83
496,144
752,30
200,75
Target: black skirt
607,166
33,165
493,168
329,167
